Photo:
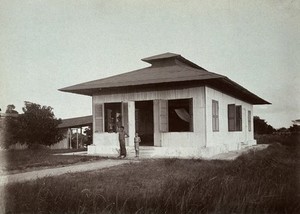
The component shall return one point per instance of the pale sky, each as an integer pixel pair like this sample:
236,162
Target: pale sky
48,45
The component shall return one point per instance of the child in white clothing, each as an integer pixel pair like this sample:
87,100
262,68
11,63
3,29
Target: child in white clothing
137,141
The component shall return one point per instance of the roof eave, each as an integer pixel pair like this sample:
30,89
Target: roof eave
256,100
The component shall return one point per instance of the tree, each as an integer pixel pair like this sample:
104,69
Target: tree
10,109
89,133
38,126
262,127
9,127
294,129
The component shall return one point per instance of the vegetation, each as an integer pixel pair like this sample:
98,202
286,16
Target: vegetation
292,139
261,126
257,182
28,159
89,134
36,126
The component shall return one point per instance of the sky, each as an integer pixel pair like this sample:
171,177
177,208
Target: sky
48,45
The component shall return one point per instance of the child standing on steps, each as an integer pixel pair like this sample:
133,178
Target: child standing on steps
137,141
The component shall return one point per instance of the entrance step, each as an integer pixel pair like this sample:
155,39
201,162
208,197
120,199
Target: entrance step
145,151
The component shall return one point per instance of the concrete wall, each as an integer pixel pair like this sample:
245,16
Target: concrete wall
224,139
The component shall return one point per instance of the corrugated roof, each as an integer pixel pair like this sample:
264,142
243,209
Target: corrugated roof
76,122
168,68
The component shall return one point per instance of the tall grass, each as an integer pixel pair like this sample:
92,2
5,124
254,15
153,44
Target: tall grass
257,182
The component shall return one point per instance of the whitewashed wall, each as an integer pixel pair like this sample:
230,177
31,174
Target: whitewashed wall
223,138
172,140
202,142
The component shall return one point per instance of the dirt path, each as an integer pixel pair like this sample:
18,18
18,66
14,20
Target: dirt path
25,176
101,164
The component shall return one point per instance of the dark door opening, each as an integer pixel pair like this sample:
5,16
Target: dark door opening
144,124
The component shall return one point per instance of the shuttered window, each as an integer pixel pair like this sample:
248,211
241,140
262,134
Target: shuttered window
215,115
99,123
234,117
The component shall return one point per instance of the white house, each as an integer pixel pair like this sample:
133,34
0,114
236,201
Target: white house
178,108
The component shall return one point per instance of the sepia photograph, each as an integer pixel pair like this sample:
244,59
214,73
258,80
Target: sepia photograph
145,107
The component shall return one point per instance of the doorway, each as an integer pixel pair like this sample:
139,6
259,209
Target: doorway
144,124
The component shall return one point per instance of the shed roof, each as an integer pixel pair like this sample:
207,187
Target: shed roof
76,122
165,69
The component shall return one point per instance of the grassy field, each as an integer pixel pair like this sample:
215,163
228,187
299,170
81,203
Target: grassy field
17,160
259,182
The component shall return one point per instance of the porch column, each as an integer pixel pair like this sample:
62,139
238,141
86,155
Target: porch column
157,134
131,122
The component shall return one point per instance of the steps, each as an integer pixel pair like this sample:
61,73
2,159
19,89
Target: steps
145,151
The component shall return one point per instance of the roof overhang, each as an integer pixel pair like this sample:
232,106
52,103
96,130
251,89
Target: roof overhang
167,71
222,84
76,122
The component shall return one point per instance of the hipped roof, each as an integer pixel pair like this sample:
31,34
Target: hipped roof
166,69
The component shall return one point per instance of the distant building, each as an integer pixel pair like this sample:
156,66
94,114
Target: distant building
69,125
178,108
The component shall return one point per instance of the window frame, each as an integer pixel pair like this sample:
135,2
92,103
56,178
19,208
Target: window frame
111,125
235,118
189,109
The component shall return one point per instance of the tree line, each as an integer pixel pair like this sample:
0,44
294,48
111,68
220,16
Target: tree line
262,127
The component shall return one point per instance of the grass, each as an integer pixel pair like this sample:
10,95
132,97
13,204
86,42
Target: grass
258,182
17,160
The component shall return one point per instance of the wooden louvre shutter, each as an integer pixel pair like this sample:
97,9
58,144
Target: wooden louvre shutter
238,117
231,117
163,115
249,121
99,122
215,115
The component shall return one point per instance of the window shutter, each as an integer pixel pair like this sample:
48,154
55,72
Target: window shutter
99,122
215,115
238,117
231,117
191,115
163,115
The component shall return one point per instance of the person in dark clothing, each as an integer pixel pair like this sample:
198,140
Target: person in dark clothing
122,136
